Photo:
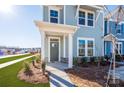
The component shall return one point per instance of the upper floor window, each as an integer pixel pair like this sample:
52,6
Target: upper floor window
118,28
81,19
54,16
86,18
90,19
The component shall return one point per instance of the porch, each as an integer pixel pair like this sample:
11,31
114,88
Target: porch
56,42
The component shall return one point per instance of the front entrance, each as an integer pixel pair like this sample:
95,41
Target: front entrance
54,45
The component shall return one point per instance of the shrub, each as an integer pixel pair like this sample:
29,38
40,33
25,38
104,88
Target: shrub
92,59
43,67
27,69
38,59
75,61
103,62
85,62
118,58
107,57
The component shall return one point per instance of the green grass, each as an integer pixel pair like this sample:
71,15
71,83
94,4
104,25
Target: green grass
8,77
3,60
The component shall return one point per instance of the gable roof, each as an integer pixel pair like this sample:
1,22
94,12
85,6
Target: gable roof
110,37
116,13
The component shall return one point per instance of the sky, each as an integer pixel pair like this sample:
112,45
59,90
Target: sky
17,28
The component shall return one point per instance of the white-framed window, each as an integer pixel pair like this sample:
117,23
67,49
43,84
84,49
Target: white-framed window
119,48
81,18
90,19
85,47
53,16
90,47
82,47
86,18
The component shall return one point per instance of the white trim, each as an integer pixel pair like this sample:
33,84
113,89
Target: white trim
49,47
94,6
70,51
98,15
56,9
64,14
86,18
120,43
103,28
120,39
64,45
107,26
77,11
86,48
42,45
105,47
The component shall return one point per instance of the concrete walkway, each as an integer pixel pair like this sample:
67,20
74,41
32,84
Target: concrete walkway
14,61
12,55
119,73
58,77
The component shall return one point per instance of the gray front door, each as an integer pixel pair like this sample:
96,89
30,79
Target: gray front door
54,50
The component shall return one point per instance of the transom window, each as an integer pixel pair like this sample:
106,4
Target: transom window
90,19
81,19
85,18
53,16
85,47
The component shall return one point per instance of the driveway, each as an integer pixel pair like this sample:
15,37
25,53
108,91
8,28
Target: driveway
58,77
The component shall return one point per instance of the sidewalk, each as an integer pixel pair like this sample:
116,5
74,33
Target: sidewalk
14,61
12,55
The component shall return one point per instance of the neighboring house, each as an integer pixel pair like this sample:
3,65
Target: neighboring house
115,28
69,31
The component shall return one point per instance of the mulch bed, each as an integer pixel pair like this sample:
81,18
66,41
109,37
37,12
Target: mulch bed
91,76
37,75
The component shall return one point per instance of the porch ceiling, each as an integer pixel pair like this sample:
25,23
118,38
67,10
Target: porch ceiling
55,28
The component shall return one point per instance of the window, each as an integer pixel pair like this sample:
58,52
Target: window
86,18
53,16
119,48
81,48
81,19
90,48
90,19
85,47
118,28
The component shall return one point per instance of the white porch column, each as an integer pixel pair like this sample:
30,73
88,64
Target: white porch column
70,51
42,45
64,46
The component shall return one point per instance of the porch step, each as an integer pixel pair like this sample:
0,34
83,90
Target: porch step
56,83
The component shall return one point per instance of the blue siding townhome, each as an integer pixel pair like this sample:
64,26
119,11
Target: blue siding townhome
115,26
69,31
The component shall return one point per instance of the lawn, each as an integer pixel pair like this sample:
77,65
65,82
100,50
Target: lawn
3,60
8,77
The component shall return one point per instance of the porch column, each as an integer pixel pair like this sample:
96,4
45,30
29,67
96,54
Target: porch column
64,47
70,53
42,45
